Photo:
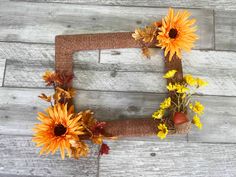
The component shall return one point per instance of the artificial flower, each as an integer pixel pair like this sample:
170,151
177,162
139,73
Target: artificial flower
146,52
146,35
158,114
201,82
190,80
171,87
45,97
57,129
170,74
138,34
64,78
78,149
177,33
149,32
162,131
166,103
50,78
97,139
104,149
98,128
196,121
88,119
62,95
181,88
198,108
157,24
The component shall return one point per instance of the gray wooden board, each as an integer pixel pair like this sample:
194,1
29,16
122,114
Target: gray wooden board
225,30
172,159
2,69
119,69
41,22
19,156
18,111
208,4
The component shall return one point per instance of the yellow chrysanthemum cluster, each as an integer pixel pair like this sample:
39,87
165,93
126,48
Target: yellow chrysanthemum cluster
198,109
179,88
180,101
197,82
162,128
161,111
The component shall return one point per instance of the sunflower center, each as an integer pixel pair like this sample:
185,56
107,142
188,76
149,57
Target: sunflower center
173,33
59,130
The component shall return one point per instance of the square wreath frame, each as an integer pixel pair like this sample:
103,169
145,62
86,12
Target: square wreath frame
66,45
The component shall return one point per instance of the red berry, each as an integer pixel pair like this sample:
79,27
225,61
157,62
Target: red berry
180,118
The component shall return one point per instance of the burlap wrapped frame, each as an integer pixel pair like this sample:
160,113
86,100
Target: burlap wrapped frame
66,45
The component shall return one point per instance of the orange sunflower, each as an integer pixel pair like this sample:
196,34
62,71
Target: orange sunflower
177,33
59,127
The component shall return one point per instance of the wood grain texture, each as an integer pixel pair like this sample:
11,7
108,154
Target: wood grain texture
225,28
20,157
133,158
19,107
210,4
2,69
24,103
44,21
122,69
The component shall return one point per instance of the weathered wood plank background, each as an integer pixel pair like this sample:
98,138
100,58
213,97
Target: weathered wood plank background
116,84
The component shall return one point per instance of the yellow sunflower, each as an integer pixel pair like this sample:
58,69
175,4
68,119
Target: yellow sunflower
177,33
57,129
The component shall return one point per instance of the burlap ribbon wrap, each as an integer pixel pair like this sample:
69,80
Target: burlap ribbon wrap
66,45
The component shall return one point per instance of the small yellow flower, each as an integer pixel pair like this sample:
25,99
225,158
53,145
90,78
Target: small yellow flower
170,74
198,108
166,103
181,88
162,131
196,121
201,82
171,87
190,80
158,114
